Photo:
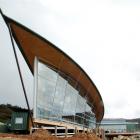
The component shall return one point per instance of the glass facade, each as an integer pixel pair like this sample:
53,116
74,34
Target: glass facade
58,100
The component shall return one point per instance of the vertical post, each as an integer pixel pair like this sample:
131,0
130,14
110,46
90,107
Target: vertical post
66,131
55,130
30,130
35,86
83,129
103,134
87,129
97,129
75,130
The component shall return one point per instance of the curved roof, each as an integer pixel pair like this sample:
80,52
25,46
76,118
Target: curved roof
32,44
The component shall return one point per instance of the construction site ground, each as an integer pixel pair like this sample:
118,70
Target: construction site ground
44,135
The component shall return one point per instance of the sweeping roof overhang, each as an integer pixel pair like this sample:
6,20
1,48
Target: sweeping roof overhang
33,45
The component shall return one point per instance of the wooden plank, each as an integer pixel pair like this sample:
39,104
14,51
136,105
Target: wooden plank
55,123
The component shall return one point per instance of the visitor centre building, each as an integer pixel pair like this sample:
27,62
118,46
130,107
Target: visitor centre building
64,95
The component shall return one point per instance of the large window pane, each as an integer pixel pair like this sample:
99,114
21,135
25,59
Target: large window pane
47,79
80,110
45,92
59,96
81,105
46,72
59,93
70,103
57,99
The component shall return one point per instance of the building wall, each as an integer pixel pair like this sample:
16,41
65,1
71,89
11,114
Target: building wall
133,127
114,125
114,128
58,99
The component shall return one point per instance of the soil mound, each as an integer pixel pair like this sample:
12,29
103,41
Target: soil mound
85,136
42,135
45,135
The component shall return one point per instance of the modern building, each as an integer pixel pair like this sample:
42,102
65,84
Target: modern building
133,125
64,94
114,125
119,125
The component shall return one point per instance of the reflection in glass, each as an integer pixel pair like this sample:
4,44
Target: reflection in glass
59,96
69,103
58,100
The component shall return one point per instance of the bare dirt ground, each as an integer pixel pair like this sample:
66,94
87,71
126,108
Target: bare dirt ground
44,135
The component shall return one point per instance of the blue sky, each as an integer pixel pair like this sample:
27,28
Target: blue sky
100,35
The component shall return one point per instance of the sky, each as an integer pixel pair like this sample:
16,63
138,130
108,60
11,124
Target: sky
102,36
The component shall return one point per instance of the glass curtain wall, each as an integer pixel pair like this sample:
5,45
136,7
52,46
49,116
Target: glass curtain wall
57,100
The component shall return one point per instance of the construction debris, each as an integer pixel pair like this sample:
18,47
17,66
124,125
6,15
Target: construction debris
135,137
45,135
